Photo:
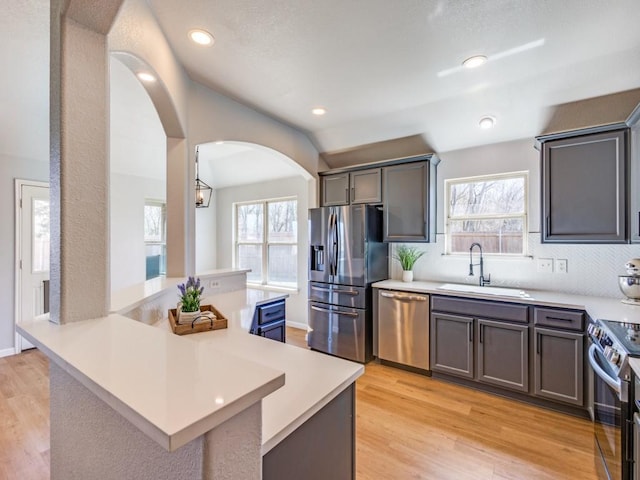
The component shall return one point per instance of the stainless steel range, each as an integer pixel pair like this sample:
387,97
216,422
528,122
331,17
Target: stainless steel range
611,345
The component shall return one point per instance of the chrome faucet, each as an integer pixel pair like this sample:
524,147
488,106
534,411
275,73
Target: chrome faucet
483,281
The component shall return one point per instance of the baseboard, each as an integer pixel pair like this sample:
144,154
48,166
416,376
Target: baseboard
7,352
301,326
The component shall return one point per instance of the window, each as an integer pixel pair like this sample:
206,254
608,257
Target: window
490,210
267,243
155,234
40,235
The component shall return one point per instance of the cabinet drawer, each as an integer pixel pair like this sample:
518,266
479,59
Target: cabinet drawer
478,308
565,319
271,312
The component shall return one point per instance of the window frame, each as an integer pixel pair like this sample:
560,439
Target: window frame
524,175
265,244
163,233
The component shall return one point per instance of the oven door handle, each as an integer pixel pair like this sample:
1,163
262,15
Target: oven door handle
612,382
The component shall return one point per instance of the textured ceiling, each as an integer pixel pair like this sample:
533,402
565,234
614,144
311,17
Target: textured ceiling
386,70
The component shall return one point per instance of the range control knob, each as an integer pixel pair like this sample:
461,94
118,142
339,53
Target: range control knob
615,358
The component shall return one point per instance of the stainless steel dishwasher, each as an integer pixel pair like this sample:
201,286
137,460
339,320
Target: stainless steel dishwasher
403,328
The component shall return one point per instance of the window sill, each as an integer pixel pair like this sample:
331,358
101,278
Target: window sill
273,288
498,256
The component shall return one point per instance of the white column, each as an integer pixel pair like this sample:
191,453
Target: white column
180,210
79,171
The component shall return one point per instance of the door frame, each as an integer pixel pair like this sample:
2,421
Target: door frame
19,183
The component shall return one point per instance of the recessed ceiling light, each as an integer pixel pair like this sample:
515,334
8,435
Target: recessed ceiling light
475,61
201,37
319,111
487,122
146,77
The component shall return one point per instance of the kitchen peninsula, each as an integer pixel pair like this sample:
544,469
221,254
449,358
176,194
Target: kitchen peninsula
166,406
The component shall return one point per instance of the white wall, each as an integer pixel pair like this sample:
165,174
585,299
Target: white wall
213,117
138,172
289,187
128,194
24,129
592,269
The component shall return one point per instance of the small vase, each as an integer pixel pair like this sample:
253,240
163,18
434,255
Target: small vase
407,275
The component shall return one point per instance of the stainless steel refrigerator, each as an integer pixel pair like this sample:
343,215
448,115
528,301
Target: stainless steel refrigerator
346,255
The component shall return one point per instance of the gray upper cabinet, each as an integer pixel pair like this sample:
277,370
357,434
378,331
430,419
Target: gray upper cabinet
335,189
365,186
558,365
359,186
585,188
634,160
503,354
408,190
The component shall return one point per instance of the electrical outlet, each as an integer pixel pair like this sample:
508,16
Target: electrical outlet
214,284
545,265
561,265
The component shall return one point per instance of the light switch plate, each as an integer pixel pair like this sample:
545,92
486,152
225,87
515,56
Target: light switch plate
561,265
545,265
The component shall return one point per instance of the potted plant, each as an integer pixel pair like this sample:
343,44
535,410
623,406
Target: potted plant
189,295
407,256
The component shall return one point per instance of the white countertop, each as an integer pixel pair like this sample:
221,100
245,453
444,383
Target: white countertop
634,363
169,385
170,388
135,295
313,379
596,307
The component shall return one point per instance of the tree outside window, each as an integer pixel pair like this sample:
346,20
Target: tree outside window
155,238
267,243
490,210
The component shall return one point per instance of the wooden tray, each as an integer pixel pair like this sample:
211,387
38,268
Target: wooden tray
219,323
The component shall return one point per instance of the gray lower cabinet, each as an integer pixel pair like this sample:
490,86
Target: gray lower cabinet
558,365
321,448
452,344
503,354
584,188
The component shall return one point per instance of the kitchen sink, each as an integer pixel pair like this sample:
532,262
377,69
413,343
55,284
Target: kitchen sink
497,291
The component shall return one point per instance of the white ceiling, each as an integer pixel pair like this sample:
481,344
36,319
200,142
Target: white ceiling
375,64
237,163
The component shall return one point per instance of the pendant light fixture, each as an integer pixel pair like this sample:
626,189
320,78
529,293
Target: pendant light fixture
203,191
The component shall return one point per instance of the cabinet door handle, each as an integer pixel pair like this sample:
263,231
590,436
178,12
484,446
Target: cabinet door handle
480,328
353,193
538,346
346,191
548,222
559,319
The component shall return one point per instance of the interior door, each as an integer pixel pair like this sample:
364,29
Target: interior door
34,253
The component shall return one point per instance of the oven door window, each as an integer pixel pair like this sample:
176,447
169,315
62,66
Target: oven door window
608,420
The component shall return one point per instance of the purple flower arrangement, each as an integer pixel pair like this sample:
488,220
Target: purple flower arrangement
189,295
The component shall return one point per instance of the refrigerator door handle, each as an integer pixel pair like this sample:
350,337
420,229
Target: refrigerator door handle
346,292
337,312
335,248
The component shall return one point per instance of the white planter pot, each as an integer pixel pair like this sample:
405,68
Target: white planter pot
186,317
407,275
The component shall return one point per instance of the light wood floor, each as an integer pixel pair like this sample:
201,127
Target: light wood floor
414,427
408,427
